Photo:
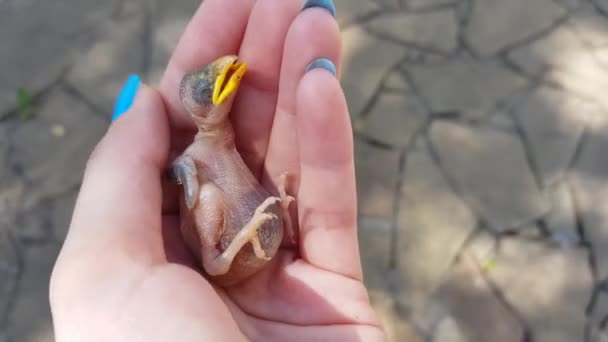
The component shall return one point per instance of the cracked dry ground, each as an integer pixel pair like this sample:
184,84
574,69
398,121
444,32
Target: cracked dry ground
480,128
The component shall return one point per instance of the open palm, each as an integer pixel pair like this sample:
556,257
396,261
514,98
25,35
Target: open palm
124,274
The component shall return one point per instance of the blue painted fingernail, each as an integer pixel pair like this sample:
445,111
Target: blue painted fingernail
126,96
322,63
327,4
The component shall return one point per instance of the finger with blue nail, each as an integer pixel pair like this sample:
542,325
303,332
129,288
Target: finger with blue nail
312,43
126,96
325,4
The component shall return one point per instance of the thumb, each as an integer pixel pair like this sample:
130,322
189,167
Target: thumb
119,205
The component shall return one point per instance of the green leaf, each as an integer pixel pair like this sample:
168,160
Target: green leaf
25,104
489,265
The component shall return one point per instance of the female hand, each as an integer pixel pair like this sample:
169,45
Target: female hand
124,273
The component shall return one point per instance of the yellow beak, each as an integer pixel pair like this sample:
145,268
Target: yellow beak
228,81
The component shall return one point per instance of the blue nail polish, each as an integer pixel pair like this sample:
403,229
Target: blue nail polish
126,96
327,4
322,63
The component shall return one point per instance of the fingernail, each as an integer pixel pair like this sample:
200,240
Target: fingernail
327,4
126,96
322,63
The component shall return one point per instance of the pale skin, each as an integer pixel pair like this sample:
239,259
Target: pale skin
124,272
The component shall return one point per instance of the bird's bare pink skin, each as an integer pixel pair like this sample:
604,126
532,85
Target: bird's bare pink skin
229,221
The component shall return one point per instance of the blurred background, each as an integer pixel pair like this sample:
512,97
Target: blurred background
481,131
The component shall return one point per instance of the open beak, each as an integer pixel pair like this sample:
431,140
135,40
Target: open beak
228,81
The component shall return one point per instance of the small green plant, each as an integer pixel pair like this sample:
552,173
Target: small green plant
25,104
489,265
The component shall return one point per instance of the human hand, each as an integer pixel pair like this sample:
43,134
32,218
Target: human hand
124,273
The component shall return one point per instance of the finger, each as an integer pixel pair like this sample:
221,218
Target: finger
119,205
312,35
327,195
262,49
216,29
